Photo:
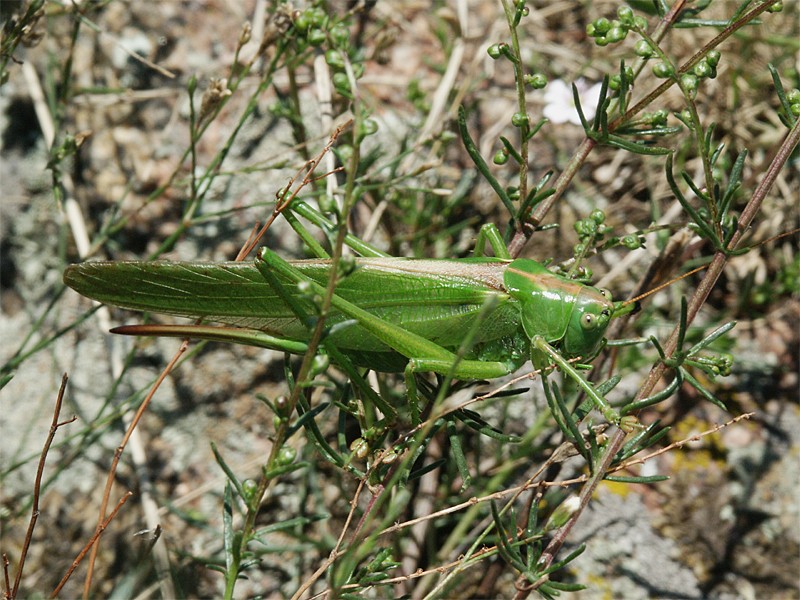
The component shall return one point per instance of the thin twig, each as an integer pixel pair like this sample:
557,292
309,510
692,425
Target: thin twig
308,177
91,543
679,444
336,552
7,592
77,224
118,454
37,486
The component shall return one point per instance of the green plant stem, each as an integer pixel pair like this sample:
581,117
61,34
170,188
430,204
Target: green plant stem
266,482
298,127
697,132
519,79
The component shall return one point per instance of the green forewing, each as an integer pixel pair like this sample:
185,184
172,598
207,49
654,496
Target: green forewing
437,299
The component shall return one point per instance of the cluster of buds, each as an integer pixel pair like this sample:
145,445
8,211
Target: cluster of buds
607,32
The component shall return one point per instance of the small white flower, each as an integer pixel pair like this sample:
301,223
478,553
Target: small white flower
560,105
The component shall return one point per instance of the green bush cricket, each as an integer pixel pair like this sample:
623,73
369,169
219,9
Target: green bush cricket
388,314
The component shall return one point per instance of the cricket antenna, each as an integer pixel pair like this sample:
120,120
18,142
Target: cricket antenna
622,305
659,288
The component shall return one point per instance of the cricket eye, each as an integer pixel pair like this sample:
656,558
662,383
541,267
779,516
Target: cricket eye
587,321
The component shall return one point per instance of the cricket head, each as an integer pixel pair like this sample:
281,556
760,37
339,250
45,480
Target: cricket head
571,316
588,321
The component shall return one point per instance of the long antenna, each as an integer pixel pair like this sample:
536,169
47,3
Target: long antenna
662,286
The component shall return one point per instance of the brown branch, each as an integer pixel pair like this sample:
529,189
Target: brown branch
37,487
308,178
118,454
7,592
91,543
701,294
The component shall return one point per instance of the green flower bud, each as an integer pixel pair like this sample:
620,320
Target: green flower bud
689,83
725,364
537,81
342,84
640,23
625,14
320,364
713,57
616,34
631,241
249,487
389,457
793,96
519,119
302,22
602,25
344,152
316,37
318,17
334,59
775,8
662,70
494,51
368,127
359,448
702,69
500,157
660,117
598,216
643,49
340,36
286,456
629,423
628,73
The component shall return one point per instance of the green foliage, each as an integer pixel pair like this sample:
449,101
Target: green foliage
346,480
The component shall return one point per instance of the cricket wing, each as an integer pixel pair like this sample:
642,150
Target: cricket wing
438,299
233,293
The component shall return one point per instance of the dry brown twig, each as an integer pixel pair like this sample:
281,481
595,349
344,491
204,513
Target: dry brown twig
11,592
112,471
92,543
